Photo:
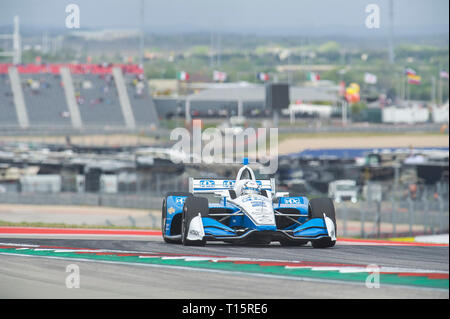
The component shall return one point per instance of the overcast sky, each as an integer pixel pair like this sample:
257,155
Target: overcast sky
244,16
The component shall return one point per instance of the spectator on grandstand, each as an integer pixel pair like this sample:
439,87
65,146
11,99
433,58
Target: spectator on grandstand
65,114
108,78
80,100
87,85
34,85
139,89
98,100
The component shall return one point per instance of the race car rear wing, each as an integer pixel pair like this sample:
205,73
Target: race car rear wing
215,186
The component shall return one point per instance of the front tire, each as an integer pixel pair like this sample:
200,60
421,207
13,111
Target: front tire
323,243
164,216
192,207
317,208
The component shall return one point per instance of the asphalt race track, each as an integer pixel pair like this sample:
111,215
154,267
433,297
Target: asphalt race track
146,267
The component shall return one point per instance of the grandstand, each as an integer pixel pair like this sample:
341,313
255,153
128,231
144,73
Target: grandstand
140,99
45,100
98,100
102,99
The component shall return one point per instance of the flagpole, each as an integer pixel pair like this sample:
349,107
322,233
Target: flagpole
289,70
344,112
433,90
405,90
219,48
141,34
439,97
211,60
408,93
404,87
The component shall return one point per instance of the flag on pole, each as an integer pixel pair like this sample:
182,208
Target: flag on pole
370,78
443,74
342,88
313,77
409,71
219,76
183,76
263,76
414,79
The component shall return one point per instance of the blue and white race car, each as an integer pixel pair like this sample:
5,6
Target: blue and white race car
248,211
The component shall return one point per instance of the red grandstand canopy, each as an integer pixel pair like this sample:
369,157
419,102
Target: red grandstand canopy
74,68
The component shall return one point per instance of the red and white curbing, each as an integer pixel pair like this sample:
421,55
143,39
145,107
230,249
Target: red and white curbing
12,230
439,241
432,239
314,266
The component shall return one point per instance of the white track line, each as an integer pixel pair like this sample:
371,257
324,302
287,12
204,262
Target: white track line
225,272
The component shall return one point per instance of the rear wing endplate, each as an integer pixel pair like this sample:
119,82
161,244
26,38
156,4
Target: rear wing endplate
213,186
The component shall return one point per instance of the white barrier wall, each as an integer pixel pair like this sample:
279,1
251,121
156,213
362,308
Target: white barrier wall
440,114
321,110
405,115
40,183
109,184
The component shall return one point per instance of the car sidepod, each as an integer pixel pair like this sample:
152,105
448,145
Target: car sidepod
316,216
174,208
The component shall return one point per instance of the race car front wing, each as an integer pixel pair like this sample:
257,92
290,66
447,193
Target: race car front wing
312,229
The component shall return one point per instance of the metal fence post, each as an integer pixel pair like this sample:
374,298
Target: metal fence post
394,216
132,221
158,187
378,219
363,217
432,221
441,215
153,220
345,221
410,211
426,214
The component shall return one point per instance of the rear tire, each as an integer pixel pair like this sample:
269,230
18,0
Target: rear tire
317,208
164,216
192,207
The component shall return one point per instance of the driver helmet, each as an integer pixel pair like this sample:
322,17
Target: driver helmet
250,188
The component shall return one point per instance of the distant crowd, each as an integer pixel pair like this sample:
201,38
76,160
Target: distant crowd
82,68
